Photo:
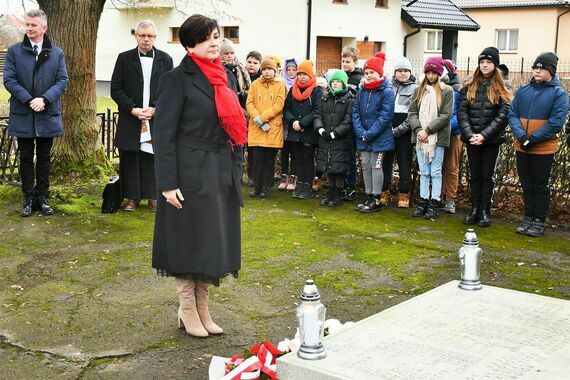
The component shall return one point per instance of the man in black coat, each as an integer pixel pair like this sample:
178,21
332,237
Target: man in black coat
134,87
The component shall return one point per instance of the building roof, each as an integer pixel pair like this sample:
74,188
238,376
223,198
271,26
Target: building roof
436,14
471,4
143,4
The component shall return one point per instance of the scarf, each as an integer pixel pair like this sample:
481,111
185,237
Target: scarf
307,89
227,104
242,76
428,111
337,91
373,85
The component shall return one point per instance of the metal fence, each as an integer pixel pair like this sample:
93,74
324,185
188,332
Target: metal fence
107,127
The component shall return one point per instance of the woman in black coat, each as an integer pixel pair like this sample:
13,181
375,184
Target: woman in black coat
198,125
333,123
483,115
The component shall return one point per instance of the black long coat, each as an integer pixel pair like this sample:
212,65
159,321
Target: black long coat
127,91
334,114
192,154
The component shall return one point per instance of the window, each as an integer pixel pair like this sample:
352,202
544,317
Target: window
174,34
379,47
434,40
232,33
508,40
381,3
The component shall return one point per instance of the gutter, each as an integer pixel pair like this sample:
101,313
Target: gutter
309,16
557,30
406,39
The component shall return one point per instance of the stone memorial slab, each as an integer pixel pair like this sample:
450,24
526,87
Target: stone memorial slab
449,333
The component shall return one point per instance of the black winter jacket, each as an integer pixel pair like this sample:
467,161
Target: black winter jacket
482,117
304,111
334,114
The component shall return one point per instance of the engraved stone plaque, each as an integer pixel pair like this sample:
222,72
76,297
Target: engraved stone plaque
449,333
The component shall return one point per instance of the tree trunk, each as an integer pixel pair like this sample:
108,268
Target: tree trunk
72,25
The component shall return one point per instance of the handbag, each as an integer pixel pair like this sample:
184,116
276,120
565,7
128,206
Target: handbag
112,196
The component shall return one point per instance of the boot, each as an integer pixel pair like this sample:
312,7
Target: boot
330,195
336,201
43,205
385,197
403,200
421,208
292,183
373,205
536,228
306,191
522,229
299,187
368,198
27,207
187,313
317,184
432,211
485,215
202,295
473,215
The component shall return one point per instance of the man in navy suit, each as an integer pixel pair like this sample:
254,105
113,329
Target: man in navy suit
134,88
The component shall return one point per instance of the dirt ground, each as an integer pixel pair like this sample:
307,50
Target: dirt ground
78,298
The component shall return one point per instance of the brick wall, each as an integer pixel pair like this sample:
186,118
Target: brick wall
328,53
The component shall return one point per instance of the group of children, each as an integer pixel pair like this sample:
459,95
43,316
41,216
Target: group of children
320,128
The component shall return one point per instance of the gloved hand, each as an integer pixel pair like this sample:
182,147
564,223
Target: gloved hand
265,127
333,136
321,131
258,121
526,142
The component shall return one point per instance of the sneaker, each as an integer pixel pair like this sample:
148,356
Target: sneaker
421,208
367,199
536,229
254,193
306,192
385,197
523,228
291,183
449,207
284,181
374,205
348,194
403,200
264,192
432,212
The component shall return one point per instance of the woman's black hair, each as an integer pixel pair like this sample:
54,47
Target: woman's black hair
196,29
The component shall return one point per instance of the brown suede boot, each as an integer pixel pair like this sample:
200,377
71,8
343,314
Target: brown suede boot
188,317
385,197
403,200
202,295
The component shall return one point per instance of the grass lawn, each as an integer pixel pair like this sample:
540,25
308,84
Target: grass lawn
78,296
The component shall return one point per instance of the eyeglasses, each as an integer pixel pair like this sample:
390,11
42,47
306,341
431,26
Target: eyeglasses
149,36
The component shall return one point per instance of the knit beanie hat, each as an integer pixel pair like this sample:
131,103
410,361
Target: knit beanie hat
341,76
307,67
276,59
227,46
434,64
491,53
547,61
402,63
376,63
449,65
268,63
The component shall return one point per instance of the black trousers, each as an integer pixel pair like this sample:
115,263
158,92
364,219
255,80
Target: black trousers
285,157
136,171
534,173
263,160
38,184
336,180
404,154
482,164
304,161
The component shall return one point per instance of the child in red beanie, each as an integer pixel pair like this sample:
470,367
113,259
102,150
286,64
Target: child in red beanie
429,117
372,115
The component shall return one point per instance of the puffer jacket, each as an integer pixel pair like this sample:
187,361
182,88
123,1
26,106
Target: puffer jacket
266,99
354,79
304,111
482,116
372,115
539,111
403,94
334,114
440,124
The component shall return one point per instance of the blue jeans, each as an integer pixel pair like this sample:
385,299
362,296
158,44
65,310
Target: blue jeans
431,170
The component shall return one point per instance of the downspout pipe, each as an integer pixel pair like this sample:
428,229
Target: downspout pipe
406,40
557,30
309,22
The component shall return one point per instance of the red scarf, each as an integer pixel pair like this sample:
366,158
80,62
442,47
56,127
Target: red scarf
227,105
307,88
372,85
